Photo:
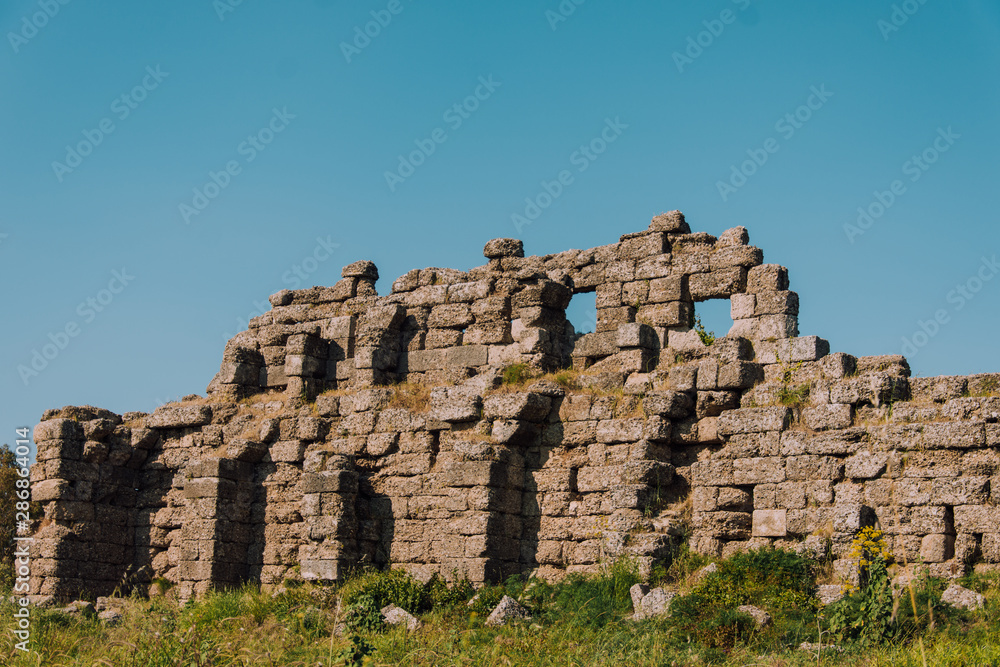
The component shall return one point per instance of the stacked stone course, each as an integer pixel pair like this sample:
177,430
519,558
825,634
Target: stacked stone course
346,429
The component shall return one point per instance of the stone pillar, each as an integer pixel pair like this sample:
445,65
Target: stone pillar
215,536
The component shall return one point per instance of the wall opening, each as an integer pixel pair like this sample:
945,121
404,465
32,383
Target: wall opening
715,315
582,312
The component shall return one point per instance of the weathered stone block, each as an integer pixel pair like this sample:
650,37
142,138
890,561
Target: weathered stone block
865,465
753,420
670,314
769,523
718,284
636,334
961,490
767,278
937,548
669,288
759,470
713,472
776,303
641,245
739,375
953,435
814,468
619,430
58,429
829,416
714,403
742,306
498,248
671,404
724,525
467,356
179,416
737,255
672,222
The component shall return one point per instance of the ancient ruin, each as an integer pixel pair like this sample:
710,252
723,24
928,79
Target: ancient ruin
346,428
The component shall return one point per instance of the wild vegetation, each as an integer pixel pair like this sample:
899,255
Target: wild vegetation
581,620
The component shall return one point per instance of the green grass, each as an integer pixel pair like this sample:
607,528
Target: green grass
577,621
516,374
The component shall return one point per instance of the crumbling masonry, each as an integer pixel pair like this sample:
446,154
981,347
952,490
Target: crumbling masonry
346,428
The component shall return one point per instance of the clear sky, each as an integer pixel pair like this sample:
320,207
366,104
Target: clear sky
167,166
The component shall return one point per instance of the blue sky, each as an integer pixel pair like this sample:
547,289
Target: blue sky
147,108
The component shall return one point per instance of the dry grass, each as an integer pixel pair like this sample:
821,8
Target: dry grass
411,396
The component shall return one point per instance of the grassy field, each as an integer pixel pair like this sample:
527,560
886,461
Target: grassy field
580,621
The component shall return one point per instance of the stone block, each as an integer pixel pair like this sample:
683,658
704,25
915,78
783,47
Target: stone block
777,326
669,288
714,403
467,356
363,269
829,416
760,470
718,284
865,465
51,489
724,525
498,248
708,374
179,416
58,429
672,222
670,314
937,548
619,430
683,377
671,404
636,334
742,306
953,435
713,472
767,278
330,481
769,523
754,420
814,468
524,405
740,375
641,245
972,490
449,316
737,255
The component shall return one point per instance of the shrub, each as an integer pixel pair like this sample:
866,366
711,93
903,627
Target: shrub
354,654
438,594
768,577
363,614
384,588
702,620
486,599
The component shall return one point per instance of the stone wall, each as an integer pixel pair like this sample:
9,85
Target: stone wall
346,429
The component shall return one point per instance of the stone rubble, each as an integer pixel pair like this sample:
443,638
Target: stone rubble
506,611
648,603
962,598
394,615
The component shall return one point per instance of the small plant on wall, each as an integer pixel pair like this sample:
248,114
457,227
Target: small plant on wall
707,337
